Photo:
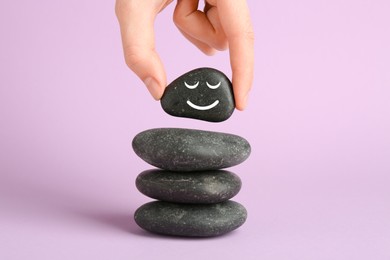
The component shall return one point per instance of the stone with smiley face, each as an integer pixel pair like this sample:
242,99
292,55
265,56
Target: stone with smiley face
203,93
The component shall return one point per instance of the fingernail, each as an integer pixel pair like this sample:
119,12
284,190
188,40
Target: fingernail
153,87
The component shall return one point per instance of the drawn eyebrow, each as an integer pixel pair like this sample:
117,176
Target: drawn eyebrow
191,86
213,86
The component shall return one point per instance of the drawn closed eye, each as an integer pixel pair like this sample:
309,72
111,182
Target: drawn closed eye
191,86
213,86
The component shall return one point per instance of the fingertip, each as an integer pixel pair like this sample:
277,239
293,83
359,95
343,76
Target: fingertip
242,85
240,107
241,94
242,103
154,87
209,51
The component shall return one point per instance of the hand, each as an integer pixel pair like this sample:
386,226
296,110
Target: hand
223,24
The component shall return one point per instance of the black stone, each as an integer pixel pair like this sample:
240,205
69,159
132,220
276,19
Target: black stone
177,149
204,94
190,187
190,220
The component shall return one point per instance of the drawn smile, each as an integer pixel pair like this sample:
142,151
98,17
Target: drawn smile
216,102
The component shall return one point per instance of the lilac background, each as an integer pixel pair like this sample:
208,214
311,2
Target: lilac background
316,185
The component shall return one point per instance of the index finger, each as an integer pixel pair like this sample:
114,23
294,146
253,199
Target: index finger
236,22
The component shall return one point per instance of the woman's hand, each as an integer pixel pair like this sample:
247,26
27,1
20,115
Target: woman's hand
223,24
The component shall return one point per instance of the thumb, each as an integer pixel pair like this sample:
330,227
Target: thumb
146,64
139,48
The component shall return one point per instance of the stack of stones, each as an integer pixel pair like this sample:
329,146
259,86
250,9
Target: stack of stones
192,191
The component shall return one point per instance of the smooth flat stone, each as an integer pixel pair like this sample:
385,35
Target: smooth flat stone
203,93
189,187
178,149
190,220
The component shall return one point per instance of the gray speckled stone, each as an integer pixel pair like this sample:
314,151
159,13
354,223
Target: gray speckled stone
204,94
190,220
189,187
177,149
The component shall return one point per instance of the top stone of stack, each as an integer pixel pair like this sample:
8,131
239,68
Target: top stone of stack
203,93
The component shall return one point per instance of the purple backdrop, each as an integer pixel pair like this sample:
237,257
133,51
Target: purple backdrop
316,185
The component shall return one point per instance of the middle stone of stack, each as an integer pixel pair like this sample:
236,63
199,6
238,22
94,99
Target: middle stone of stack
190,187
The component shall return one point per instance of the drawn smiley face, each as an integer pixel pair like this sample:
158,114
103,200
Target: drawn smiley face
207,107
204,94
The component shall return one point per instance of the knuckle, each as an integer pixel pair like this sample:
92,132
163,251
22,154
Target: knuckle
122,7
249,34
133,57
221,44
177,17
212,2
244,35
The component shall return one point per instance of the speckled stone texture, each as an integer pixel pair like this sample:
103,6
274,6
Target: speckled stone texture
177,149
190,220
204,94
189,187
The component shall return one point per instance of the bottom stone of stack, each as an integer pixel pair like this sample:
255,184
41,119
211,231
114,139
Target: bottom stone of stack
190,220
